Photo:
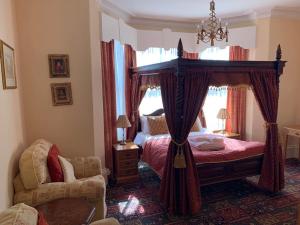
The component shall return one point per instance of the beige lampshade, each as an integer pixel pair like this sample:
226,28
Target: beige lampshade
223,114
123,122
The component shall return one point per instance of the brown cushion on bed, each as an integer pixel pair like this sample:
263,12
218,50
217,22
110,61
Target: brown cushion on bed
157,125
197,125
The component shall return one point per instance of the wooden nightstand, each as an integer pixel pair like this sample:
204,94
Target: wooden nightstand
227,134
126,162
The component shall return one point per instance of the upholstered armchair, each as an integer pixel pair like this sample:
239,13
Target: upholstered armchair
33,186
26,215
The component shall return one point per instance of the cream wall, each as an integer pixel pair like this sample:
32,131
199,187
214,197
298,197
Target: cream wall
286,31
11,120
60,27
271,32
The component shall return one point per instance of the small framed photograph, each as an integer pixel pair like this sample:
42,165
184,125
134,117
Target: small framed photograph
61,94
59,66
8,69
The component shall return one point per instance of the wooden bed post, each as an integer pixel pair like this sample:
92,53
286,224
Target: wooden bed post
180,49
279,67
179,98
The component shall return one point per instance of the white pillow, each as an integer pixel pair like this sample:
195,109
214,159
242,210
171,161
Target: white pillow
144,125
67,169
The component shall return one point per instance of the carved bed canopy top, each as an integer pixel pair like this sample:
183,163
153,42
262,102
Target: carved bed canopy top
231,73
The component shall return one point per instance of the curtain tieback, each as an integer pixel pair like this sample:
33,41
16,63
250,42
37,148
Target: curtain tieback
270,124
179,161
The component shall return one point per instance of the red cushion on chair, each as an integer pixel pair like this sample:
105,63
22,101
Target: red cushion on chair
54,167
41,219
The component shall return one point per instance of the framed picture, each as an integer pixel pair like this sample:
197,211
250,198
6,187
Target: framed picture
8,70
61,94
59,66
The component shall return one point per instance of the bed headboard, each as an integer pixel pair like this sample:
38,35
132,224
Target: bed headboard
157,112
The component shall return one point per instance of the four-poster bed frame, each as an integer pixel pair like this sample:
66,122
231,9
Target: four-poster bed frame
220,73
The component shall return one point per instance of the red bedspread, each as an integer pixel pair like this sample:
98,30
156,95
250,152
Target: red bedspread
155,152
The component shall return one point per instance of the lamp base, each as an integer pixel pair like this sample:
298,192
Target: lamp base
123,142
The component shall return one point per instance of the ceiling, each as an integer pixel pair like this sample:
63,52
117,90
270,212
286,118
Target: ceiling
193,10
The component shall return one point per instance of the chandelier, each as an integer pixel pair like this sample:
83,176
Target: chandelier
212,29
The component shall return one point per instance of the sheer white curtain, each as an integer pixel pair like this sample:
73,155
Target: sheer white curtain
120,82
216,97
152,99
155,55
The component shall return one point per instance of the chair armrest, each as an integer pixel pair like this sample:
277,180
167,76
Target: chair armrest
86,166
108,221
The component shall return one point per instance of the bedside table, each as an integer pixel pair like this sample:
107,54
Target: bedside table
227,134
126,162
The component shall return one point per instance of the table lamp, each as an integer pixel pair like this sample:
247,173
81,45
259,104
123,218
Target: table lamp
223,115
123,122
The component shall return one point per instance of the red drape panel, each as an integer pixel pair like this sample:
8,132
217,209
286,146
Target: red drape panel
109,100
236,107
131,91
180,190
202,118
189,55
136,96
236,97
266,91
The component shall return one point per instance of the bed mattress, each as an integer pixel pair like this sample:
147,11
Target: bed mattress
155,150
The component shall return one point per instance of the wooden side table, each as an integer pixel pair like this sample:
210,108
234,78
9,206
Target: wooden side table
68,211
227,134
294,131
126,162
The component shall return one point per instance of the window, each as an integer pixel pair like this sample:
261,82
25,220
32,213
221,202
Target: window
216,97
152,99
155,55
120,82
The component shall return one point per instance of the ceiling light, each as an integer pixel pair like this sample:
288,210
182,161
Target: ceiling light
212,30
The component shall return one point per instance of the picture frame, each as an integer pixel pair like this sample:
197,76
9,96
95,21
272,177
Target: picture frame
8,69
59,65
61,94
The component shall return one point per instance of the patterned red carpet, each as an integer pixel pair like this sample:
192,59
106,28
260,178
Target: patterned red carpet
238,202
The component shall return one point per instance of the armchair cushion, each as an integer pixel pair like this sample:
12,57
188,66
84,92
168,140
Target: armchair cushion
86,167
19,214
53,164
91,188
67,169
33,164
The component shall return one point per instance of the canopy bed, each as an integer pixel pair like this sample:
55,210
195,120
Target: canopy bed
184,84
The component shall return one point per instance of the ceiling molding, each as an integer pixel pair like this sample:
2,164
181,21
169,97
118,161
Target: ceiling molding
115,11
190,25
286,12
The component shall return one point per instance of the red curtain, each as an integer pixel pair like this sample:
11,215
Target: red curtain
180,190
136,96
109,100
236,97
131,91
189,55
266,90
